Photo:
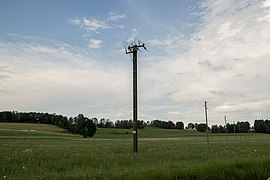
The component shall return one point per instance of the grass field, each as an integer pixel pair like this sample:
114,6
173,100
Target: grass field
49,153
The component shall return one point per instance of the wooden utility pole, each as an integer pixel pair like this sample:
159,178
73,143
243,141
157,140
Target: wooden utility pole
234,130
205,109
225,118
133,49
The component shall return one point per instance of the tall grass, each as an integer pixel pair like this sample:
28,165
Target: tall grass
73,157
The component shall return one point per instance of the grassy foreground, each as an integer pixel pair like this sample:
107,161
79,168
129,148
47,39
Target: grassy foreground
163,154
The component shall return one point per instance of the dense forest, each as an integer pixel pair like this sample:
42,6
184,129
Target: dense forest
87,127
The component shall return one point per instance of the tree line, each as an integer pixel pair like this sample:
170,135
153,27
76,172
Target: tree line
167,124
127,124
81,124
119,124
239,127
87,127
78,125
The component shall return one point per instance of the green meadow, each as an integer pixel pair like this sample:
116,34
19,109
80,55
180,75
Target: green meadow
48,152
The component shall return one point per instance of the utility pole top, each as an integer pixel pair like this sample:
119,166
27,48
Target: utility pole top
133,46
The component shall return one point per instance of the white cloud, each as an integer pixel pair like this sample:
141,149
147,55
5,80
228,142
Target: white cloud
133,34
155,42
224,62
266,3
89,24
247,106
77,22
93,26
95,43
115,16
173,44
63,80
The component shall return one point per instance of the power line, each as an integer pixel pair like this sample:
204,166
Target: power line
176,82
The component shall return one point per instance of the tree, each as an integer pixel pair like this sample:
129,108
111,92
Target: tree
179,125
89,128
267,122
85,126
201,127
117,124
191,126
163,124
215,129
101,123
246,127
108,124
157,123
196,125
170,125
242,127
141,124
262,126
230,128
95,121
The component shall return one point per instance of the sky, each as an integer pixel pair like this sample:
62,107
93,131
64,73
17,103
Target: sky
68,57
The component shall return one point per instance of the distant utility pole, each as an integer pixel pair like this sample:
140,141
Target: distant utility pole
132,48
234,130
225,119
240,131
205,109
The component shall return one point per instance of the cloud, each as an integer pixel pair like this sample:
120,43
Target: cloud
206,63
250,105
4,73
218,63
266,4
89,24
115,16
231,30
95,43
172,44
4,76
155,42
92,26
62,79
133,34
